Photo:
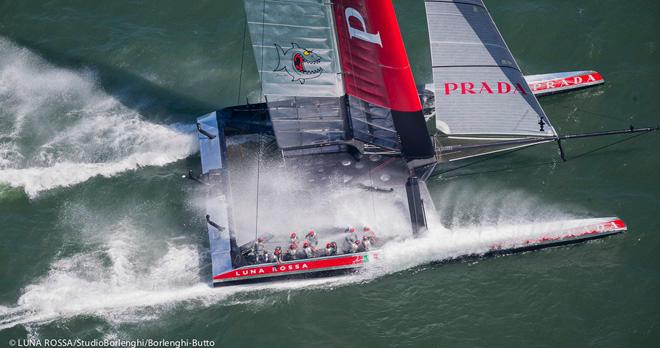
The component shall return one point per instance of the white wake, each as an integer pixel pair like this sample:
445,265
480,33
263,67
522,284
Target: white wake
59,128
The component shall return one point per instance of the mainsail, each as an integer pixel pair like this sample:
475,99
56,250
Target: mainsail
481,96
367,98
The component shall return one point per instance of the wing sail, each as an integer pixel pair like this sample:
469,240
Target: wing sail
480,92
384,104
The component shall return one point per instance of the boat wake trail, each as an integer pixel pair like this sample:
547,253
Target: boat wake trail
58,128
124,281
129,274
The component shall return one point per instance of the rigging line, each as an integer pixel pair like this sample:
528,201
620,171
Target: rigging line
263,35
580,109
531,165
502,170
609,145
491,157
371,193
240,78
256,220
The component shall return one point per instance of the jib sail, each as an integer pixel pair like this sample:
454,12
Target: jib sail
481,96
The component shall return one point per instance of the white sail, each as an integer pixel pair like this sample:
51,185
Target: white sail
479,88
294,47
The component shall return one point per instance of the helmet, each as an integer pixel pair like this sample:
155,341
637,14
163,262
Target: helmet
311,233
357,242
352,229
366,229
305,245
328,245
365,237
293,235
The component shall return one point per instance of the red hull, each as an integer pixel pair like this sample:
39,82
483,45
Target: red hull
353,261
563,82
289,268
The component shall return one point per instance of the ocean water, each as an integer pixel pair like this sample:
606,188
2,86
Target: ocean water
102,238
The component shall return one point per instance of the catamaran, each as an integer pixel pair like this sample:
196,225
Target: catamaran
339,98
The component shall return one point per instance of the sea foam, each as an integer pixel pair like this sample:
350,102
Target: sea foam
59,128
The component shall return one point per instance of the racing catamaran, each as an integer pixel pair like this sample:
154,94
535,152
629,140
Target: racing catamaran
338,96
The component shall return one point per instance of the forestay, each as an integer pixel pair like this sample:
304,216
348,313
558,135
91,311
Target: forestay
479,88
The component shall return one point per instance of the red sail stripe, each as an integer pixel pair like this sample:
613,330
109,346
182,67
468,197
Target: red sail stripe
373,57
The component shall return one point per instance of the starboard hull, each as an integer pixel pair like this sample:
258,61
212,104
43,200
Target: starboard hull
346,263
546,84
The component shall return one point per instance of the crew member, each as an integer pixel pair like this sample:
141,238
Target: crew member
351,234
369,233
355,246
329,250
278,255
350,239
348,244
307,250
292,253
260,251
294,239
366,243
312,238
